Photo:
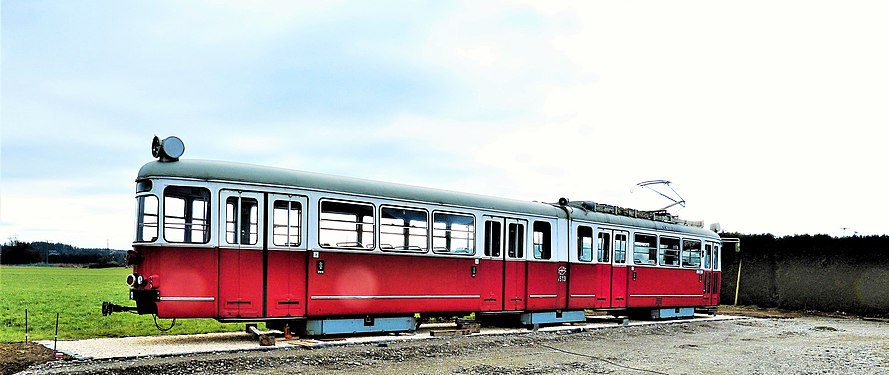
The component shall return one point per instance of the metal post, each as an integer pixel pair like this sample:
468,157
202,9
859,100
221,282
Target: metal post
56,340
738,283
26,327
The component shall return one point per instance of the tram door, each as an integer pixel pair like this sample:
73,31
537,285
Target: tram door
240,254
715,276
514,266
286,256
491,268
619,270
705,265
504,279
711,276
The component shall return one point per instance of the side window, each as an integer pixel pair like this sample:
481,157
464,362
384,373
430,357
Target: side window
620,248
186,214
516,241
542,240
603,247
492,238
346,225
668,251
644,249
403,229
453,234
716,257
584,243
691,253
241,220
146,218
708,251
286,223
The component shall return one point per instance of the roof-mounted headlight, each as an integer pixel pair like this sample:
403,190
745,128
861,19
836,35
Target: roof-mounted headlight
169,149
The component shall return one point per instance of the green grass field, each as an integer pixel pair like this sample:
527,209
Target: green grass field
77,295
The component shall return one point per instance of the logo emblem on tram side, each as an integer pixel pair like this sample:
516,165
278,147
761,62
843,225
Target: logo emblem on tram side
563,272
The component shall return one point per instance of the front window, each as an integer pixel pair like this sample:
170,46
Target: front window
146,218
186,214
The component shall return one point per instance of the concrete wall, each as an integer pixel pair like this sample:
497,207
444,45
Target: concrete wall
849,274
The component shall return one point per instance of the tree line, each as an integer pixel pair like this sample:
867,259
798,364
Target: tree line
21,252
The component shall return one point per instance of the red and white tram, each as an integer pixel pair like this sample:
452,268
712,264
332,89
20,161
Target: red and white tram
239,242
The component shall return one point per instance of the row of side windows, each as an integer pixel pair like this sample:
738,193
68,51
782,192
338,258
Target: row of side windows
341,224
649,249
351,225
603,245
515,239
242,222
187,218
344,224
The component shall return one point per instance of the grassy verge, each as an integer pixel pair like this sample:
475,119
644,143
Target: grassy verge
77,295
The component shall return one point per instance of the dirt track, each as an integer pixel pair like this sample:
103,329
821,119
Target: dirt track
757,345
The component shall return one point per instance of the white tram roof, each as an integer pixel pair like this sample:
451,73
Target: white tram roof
206,170
221,171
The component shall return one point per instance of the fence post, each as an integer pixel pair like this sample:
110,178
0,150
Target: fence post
56,340
738,283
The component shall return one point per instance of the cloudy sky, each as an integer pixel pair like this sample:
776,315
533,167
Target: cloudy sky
767,116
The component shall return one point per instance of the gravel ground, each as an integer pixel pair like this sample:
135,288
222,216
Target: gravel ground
166,345
751,346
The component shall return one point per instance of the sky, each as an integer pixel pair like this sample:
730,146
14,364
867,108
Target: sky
766,116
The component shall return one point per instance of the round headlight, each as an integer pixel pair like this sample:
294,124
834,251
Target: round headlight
169,149
131,280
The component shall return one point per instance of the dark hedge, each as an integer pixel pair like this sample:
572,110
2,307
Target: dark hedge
804,272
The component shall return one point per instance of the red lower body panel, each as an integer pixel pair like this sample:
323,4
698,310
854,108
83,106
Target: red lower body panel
368,284
185,277
547,285
590,286
228,283
668,287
